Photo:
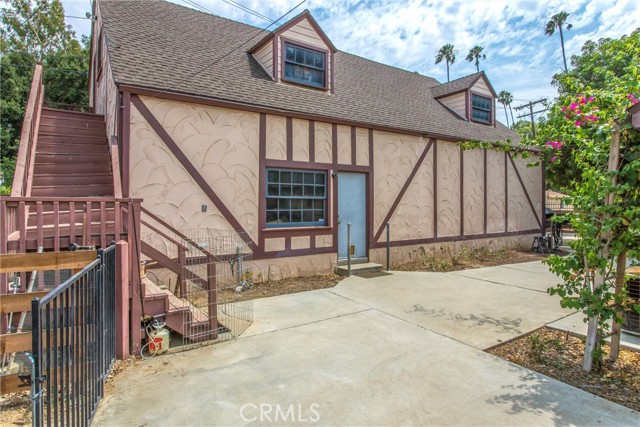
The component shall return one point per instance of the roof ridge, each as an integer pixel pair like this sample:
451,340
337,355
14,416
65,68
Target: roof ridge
463,77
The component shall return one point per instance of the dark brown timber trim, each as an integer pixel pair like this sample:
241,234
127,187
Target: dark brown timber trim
262,181
312,141
457,238
526,193
293,252
506,194
435,189
486,190
403,190
461,190
289,138
353,145
126,140
370,199
334,183
186,163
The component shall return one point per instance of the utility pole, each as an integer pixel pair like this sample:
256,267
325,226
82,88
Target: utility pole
531,113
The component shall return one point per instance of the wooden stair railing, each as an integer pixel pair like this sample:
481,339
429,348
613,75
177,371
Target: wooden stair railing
23,176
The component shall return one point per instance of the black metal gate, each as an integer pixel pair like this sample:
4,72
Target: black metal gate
74,344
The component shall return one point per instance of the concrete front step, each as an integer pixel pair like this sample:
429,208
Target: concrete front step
366,267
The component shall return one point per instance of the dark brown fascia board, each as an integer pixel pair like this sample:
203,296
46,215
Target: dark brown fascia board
187,97
306,14
266,39
451,93
292,22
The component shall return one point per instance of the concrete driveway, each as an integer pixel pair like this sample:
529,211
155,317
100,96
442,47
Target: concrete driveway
402,349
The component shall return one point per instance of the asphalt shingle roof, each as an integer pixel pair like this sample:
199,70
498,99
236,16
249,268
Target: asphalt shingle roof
160,45
457,85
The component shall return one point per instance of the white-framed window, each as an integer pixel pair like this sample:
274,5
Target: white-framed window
296,197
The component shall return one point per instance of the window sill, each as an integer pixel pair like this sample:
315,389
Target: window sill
302,84
302,228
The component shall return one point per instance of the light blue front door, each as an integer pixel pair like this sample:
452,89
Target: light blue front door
352,208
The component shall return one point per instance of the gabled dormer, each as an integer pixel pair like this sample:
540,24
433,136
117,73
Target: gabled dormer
298,53
471,97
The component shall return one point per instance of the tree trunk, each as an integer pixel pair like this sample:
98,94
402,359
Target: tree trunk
616,328
511,111
505,114
447,70
599,278
564,58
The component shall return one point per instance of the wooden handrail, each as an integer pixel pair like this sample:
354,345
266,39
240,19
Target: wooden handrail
176,232
17,199
115,167
28,135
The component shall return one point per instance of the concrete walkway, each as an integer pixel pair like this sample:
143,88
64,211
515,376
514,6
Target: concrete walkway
402,349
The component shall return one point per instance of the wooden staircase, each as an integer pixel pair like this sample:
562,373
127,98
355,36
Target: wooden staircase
72,157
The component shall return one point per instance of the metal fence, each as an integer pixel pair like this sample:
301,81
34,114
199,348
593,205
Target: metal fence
74,344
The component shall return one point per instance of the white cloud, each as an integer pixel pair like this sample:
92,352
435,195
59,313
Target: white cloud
407,34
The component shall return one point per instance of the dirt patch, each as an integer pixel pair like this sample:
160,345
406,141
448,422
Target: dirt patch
559,355
15,409
290,286
471,258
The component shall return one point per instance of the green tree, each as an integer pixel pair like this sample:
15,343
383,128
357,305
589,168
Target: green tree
598,64
556,22
34,31
475,55
446,54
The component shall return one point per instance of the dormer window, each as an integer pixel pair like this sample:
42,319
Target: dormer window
480,109
304,65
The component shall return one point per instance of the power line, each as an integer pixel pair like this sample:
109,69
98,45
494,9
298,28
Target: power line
531,113
246,9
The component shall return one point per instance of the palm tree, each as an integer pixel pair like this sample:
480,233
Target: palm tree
446,53
556,22
502,99
508,98
475,54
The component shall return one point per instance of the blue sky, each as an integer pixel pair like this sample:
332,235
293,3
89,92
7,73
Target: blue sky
408,34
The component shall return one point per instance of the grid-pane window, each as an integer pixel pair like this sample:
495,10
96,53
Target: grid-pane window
296,197
481,108
304,65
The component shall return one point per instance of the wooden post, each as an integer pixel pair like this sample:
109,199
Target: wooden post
123,326
137,293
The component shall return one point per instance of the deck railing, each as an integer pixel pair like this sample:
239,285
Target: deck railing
54,223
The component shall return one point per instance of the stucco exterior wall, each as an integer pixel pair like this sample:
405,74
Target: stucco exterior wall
495,192
404,254
221,144
394,156
448,189
473,197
